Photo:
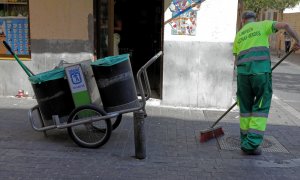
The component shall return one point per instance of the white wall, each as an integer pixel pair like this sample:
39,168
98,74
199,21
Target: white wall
216,22
198,70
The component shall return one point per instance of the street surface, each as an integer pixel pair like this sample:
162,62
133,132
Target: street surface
173,147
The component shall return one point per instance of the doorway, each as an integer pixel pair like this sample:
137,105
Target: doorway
141,34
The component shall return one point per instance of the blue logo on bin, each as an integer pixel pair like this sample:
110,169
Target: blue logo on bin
75,76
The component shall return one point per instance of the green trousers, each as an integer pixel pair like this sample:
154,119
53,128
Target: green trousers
254,95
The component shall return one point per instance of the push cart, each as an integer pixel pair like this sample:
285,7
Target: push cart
88,125
63,99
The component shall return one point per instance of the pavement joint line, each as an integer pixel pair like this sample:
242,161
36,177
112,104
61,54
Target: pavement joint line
288,108
157,103
278,164
289,163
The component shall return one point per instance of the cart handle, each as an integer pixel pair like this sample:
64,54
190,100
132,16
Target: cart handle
143,70
32,122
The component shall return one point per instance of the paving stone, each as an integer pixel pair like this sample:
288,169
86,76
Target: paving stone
172,144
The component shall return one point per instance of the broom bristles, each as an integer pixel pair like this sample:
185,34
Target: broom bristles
210,134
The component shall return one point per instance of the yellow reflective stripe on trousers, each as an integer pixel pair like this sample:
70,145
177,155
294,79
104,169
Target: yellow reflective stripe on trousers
261,101
244,123
258,123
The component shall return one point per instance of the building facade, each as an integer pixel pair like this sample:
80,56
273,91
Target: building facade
58,30
290,16
196,69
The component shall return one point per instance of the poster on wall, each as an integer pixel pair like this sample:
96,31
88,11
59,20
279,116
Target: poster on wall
15,33
184,14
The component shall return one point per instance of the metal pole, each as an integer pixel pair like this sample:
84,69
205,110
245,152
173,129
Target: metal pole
139,134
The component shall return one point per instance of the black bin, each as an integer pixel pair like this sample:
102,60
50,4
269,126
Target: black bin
53,95
115,82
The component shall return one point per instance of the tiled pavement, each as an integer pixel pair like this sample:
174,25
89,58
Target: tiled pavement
173,147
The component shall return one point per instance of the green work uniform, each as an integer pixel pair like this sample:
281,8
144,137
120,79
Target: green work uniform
254,81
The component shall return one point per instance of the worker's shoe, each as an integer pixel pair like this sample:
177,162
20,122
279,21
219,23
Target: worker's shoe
257,151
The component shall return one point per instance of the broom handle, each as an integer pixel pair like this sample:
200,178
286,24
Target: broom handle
25,68
221,117
280,61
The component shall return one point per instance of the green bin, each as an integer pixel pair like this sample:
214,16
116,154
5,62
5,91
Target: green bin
115,82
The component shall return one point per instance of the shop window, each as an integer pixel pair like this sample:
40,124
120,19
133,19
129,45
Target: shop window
14,28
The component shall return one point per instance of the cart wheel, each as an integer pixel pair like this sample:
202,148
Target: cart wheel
89,135
117,122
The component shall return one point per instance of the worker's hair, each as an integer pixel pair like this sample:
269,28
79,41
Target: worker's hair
248,15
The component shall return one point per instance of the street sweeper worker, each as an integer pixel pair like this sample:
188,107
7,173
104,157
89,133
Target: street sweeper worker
254,78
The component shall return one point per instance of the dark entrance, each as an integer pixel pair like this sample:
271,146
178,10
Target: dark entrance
141,34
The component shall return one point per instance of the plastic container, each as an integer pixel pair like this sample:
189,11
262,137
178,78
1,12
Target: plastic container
52,94
115,82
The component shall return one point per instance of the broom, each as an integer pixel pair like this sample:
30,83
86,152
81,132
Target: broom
214,132
24,67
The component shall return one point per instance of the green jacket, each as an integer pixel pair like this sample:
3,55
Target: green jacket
251,46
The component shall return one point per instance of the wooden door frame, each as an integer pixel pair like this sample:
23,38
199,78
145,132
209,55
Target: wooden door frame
97,27
97,46
111,17
162,48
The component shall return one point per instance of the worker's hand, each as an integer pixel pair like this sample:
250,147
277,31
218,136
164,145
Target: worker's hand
296,46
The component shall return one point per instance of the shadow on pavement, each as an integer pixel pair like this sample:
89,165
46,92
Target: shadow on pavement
286,82
173,148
